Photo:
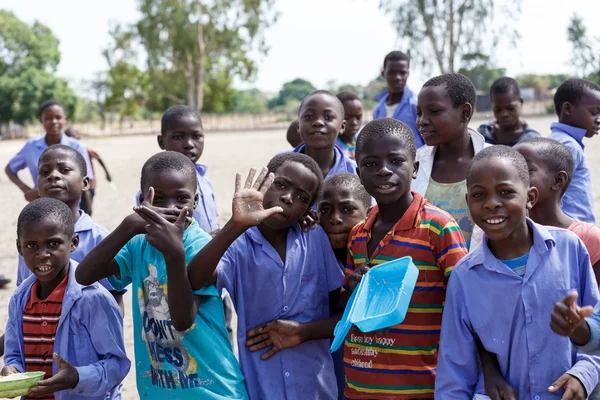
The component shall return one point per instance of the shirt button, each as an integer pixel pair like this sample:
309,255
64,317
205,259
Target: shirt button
285,308
44,305
287,374
534,359
44,323
537,397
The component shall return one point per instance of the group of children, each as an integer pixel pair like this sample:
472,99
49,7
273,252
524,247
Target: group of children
493,312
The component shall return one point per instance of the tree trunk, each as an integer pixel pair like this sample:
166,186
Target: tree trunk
190,83
439,56
201,51
452,45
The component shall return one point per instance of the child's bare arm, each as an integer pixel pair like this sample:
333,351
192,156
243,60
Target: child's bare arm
30,193
496,387
104,167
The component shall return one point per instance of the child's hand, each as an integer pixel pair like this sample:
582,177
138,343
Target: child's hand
9,370
67,377
574,389
32,194
356,276
248,207
160,233
280,334
138,224
309,220
498,388
567,315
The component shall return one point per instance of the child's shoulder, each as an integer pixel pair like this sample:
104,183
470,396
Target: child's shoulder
429,212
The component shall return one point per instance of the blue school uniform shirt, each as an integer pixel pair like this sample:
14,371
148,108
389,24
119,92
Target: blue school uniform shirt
89,336
485,299
487,131
264,288
193,364
342,163
578,200
206,213
593,321
29,156
406,111
90,234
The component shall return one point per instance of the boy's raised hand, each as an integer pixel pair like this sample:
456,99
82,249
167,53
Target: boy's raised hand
574,389
65,378
165,236
279,335
356,276
248,209
567,316
138,224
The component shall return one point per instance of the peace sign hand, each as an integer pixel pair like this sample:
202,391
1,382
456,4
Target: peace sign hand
165,236
248,209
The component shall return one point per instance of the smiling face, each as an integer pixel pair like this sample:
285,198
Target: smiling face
498,199
507,109
60,178
321,119
396,74
339,211
172,189
294,189
53,120
46,249
438,120
585,114
185,136
353,114
386,168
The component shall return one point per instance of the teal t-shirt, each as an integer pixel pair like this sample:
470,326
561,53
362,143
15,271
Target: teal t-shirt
518,265
195,364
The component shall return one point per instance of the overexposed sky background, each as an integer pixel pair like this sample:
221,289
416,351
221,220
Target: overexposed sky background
318,40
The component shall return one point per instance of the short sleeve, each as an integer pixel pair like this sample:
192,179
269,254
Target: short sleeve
125,258
226,272
450,247
19,161
333,268
592,243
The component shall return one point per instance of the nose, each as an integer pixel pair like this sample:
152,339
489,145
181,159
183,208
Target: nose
335,219
42,254
384,170
492,203
286,199
318,122
188,143
53,175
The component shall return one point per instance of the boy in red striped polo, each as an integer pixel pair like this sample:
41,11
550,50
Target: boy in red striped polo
399,362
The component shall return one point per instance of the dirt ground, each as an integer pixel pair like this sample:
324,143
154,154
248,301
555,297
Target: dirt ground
225,154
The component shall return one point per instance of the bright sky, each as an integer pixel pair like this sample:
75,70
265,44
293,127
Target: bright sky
319,40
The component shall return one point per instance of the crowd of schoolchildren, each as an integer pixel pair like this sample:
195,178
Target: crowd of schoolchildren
499,222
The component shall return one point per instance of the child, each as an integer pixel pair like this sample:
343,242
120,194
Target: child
321,120
82,352
508,128
181,345
181,131
353,111
577,103
398,101
445,107
52,116
502,293
282,281
399,362
88,197
292,135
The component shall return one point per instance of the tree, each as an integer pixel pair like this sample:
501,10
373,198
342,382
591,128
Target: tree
586,51
478,71
292,93
447,30
250,101
29,57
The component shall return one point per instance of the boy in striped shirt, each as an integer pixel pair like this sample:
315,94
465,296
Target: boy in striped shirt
399,362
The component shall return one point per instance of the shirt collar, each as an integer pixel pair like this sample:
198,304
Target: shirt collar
41,142
409,220
257,237
201,169
338,163
56,296
576,133
84,223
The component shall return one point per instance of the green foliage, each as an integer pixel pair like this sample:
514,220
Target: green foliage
586,50
478,71
375,87
292,94
250,101
29,56
126,88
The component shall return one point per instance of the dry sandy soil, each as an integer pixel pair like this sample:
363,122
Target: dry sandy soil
225,154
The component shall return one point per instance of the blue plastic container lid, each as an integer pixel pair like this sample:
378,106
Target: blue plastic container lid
343,326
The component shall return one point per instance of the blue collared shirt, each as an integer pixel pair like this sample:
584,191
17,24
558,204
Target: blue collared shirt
486,300
593,321
29,156
578,200
487,131
264,288
406,111
89,336
206,213
342,163
90,234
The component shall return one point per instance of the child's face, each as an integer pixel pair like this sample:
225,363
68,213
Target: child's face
353,116
46,249
172,189
320,121
60,178
507,109
498,199
53,120
395,74
438,120
586,113
539,175
185,136
386,168
293,189
339,211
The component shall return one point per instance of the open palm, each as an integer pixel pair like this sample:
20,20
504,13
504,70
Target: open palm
248,209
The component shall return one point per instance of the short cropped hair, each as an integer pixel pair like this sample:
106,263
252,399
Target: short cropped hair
174,113
396,56
571,91
46,208
299,158
72,132
346,95
337,101
350,182
47,104
379,128
74,155
555,155
460,88
517,161
292,134
505,85
168,161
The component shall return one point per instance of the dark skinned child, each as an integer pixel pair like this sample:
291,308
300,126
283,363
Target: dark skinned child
445,107
292,135
501,295
509,128
353,115
181,346
402,224
284,282
86,357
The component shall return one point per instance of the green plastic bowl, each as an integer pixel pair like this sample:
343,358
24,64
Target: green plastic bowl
16,385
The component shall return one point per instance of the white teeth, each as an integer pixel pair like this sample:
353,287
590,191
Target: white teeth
495,221
44,268
385,186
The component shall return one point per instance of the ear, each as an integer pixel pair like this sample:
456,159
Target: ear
567,108
560,180
19,247
383,72
196,199
86,184
415,169
521,100
74,242
161,141
466,112
343,128
532,196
